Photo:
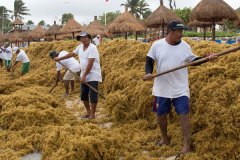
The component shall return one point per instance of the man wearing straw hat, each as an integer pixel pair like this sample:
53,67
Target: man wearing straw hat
21,57
70,63
90,72
171,88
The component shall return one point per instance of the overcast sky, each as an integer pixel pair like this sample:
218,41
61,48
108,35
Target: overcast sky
85,10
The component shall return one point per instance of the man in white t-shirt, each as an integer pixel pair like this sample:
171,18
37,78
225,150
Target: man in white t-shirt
21,57
8,56
70,63
168,53
90,72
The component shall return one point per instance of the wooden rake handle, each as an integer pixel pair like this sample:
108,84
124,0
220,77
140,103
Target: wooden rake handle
91,87
202,60
55,84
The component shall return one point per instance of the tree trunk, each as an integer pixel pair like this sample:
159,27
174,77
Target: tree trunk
162,30
204,32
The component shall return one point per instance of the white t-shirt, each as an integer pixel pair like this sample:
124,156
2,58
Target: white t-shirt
70,63
8,53
173,84
22,57
2,54
90,52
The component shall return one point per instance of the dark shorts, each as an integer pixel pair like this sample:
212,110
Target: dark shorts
88,94
162,105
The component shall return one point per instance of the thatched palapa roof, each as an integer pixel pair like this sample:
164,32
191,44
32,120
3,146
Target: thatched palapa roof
126,22
5,37
213,11
15,36
25,35
53,30
196,23
37,33
161,16
71,26
17,21
96,28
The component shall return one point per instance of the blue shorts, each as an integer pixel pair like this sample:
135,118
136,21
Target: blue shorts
162,105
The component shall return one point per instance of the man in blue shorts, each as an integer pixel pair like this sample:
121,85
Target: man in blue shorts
171,88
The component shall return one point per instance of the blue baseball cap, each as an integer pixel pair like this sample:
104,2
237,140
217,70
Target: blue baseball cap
175,24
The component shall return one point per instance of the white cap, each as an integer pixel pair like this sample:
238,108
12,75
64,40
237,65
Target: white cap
15,49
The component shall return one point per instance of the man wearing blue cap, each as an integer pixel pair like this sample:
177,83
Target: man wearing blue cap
171,88
90,72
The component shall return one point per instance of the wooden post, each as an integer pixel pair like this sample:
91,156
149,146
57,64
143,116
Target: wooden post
213,30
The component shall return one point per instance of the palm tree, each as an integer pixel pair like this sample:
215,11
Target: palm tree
142,8
5,23
4,13
133,6
20,9
139,8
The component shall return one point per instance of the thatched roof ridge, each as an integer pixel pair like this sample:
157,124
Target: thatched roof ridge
125,22
17,21
213,10
71,26
37,33
161,16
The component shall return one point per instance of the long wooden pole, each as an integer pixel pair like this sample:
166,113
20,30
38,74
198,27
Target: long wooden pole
202,60
55,84
91,87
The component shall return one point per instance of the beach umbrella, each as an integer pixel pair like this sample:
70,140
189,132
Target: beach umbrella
15,37
54,30
70,27
161,17
96,28
124,23
213,11
37,33
25,35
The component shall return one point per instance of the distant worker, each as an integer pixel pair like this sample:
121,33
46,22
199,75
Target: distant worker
21,57
97,40
70,63
7,56
2,51
90,72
